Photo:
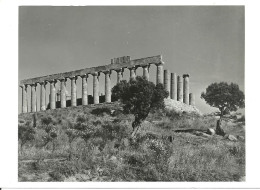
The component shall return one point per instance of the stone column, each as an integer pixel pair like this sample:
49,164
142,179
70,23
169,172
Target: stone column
179,89
73,91
107,86
146,72
96,87
58,96
84,89
174,86
167,81
63,93
192,99
24,99
159,76
43,96
33,98
132,73
119,75
186,88
52,94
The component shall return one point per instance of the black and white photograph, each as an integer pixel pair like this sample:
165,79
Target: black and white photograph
130,93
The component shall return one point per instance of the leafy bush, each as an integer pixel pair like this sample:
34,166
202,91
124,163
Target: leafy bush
56,176
241,119
25,134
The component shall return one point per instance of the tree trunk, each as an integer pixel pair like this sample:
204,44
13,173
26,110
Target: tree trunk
70,150
136,125
35,120
53,146
135,131
219,129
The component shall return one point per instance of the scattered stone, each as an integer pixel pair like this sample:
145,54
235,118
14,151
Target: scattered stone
239,137
211,131
112,112
219,129
197,133
231,137
125,142
113,159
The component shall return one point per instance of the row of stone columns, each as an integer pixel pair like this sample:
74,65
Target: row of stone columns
177,86
172,83
73,90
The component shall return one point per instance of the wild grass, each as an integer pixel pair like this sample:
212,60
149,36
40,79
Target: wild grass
110,155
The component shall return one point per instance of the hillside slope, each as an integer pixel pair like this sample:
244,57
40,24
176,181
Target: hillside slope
92,144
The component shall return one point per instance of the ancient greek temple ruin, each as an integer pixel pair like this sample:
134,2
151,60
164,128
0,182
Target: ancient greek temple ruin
176,85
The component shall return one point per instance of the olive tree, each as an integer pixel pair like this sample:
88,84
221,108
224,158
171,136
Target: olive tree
226,97
139,97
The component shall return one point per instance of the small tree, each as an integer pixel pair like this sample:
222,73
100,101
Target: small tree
50,129
77,129
25,134
225,97
139,97
72,134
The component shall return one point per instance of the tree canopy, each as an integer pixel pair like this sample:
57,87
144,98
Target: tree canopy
226,97
139,97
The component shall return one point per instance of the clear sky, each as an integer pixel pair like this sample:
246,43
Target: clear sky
205,42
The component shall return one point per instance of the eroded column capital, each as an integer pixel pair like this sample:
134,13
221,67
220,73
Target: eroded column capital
33,85
132,68
24,86
95,74
185,75
63,79
54,81
159,64
84,76
119,70
146,66
73,77
43,83
107,72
